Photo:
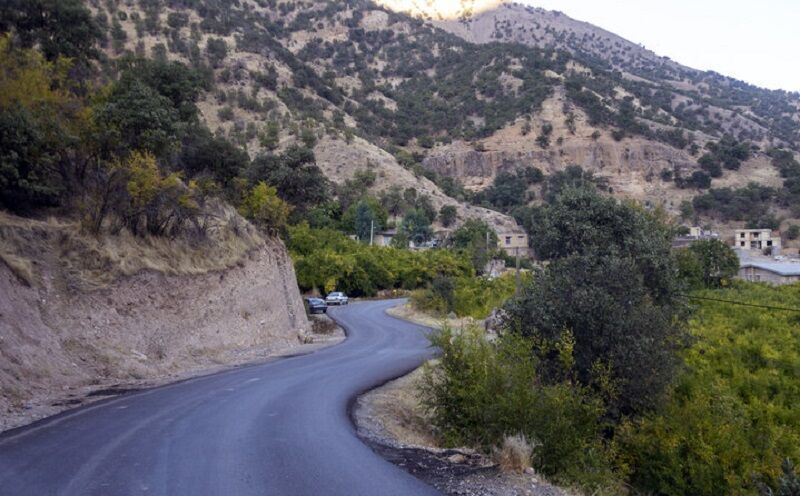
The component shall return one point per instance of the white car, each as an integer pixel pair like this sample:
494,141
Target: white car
336,298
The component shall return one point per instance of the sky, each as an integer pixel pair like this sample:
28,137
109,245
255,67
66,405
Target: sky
755,41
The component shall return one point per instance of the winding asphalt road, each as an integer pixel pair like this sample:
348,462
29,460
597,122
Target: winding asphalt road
281,428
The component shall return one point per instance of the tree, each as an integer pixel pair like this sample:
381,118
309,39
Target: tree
28,172
477,240
217,50
136,117
295,174
507,191
182,85
687,210
40,119
573,176
417,226
264,208
270,136
708,263
205,153
447,215
393,201
612,283
358,218
59,27
543,140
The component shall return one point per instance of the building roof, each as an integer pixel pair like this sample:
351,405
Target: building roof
780,268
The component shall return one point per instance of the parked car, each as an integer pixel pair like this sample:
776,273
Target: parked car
336,298
316,305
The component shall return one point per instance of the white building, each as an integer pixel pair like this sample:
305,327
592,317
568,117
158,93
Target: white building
757,239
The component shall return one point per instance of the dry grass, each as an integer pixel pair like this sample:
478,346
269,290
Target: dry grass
93,262
322,325
514,455
20,267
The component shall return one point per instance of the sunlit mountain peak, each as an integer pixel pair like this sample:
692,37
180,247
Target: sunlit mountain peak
441,9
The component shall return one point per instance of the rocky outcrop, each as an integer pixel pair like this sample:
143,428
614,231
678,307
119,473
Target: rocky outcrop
641,156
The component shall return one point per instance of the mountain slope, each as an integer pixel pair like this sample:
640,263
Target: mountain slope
501,87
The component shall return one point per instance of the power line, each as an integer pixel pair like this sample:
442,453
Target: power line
741,303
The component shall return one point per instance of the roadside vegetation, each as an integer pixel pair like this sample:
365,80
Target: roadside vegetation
327,260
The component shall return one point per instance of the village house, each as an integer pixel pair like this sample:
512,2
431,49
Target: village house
757,239
771,272
513,243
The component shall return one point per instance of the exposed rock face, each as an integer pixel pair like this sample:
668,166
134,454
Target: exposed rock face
54,340
645,157
340,161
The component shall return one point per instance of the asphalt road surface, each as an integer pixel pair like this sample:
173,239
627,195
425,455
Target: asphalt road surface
281,428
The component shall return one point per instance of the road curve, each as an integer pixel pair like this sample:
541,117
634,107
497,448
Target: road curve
280,428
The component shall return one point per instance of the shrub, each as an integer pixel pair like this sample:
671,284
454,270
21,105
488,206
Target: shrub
326,259
264,208
514,455
322,325
447,215
480,391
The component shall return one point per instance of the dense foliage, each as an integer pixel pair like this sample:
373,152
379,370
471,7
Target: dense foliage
327,260
474,297
482,391
731,419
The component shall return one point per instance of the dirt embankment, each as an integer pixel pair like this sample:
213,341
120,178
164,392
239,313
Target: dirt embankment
60,341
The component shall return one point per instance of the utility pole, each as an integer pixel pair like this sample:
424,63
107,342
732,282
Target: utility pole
519,277
371,231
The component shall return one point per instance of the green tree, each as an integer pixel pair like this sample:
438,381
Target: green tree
217,50
477,240
270,136
573,176
417,226
58,27
136,117
203,153
263,207
358,218
612,282
28,163
448,215
709,263
295,174
393,201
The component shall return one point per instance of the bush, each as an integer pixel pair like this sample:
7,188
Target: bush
480,391
514,455
611,280
264,208
448,215
474,297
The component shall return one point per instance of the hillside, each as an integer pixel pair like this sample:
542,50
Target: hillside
420,99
